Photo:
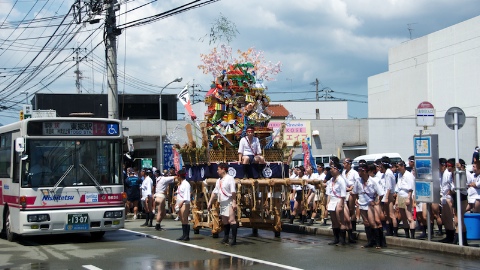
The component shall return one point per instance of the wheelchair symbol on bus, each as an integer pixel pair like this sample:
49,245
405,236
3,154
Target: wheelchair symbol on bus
112,129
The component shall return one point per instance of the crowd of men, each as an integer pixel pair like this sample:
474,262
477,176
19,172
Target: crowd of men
382,195
152,188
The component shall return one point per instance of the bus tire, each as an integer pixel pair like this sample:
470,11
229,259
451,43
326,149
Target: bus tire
8,228
97,235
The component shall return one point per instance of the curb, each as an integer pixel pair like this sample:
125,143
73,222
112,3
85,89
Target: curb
394,241
142,216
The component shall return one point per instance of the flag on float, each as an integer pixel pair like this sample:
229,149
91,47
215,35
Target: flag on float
184,97
177,160
308,159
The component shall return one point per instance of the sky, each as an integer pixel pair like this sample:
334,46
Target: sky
339,42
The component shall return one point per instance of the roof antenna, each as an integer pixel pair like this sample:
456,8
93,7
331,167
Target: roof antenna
410,29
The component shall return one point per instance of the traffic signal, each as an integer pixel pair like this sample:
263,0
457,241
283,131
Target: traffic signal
21,115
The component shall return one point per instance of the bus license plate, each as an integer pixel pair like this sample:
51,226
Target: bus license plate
77,222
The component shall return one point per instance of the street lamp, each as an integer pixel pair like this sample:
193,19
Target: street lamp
160,143
26,96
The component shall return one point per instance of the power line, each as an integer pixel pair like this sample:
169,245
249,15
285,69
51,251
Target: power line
49,57
166,14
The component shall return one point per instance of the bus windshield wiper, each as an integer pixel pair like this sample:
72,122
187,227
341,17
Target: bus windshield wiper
61,179
99,187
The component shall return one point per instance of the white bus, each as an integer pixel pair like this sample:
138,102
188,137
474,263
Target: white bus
61,175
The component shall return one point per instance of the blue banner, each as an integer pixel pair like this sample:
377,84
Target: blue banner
167,156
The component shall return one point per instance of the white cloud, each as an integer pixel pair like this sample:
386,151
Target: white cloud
341,42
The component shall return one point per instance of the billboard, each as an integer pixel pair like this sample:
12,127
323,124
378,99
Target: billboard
295,131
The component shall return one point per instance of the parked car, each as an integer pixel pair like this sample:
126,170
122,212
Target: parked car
394,157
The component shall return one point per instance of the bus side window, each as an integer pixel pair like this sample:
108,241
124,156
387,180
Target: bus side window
10,159
16,165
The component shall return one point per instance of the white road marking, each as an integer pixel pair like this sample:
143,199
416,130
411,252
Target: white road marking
91,267
216,251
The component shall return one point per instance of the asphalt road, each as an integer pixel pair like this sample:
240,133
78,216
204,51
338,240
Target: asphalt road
138,247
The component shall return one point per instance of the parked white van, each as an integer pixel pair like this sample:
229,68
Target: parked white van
394,157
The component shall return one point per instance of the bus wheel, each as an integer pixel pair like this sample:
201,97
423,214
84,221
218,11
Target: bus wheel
8,228
97,235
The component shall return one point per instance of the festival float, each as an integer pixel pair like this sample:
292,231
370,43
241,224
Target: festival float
237,100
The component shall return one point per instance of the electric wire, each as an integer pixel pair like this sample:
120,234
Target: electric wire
166,14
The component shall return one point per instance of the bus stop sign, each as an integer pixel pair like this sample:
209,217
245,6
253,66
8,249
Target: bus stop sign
425,114
449,117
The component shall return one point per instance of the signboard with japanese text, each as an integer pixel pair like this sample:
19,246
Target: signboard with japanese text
27,111
80,128
424,191
422,146
167,156
425,114
427,171
296,130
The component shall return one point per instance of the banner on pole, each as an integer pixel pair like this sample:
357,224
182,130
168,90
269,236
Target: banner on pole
184,97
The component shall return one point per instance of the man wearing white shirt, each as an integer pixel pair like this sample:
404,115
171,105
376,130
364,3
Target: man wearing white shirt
446,191
182,205
299,193
225,191
388,199
336,204
322,194
250,151
147,202
310,192
474,188
406,186
350,176
161,187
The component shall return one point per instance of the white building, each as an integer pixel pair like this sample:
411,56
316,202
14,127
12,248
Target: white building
442,68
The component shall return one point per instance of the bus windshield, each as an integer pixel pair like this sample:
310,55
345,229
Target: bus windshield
65,163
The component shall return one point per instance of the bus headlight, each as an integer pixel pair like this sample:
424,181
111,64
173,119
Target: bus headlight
113,214
38,218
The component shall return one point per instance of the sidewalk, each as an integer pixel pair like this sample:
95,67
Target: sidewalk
473,250
318,229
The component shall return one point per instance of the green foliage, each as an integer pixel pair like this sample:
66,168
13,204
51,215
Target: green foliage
222,30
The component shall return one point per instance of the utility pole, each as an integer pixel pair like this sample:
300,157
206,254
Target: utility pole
77,72
327,93
111,33
193,91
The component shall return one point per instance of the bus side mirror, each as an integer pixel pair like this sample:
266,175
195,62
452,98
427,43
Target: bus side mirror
131,148
19,145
